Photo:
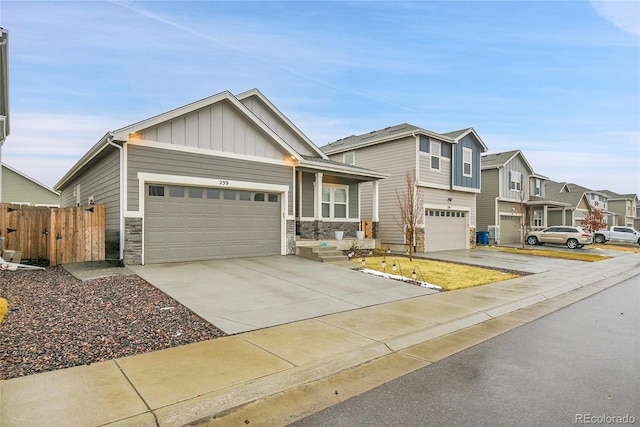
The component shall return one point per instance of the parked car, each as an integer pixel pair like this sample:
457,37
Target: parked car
573,237
617,234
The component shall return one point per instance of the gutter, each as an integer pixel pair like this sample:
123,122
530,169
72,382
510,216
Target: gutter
122,199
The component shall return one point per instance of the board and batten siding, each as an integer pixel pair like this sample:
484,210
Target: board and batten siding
19,189
219,127
171,162
99,179
485,202
517,165
459,180
394,158
276,124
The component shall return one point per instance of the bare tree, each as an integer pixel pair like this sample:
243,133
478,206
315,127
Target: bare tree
411,206
594,220
525,214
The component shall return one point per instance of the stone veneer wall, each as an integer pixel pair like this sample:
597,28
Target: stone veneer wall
291,237
326,230
420,243
472,237
133,241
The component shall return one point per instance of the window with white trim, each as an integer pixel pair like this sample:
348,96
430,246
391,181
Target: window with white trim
467,156
537,187
537,218
515,181
434,149
349,158
335,201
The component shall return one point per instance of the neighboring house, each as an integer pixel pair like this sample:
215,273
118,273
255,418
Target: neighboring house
224,177
636,221
512,196
447,168
623,208
20,189
580,201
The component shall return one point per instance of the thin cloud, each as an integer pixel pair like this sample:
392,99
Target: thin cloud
623,14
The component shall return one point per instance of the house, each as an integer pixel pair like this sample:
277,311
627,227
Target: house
227,176
622,207
447,174
513,197
21,189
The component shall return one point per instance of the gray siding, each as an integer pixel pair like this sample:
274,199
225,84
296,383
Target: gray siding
152,160
308,180
219,127
307,194
427,175
485,202
276,124
394,158
472,182
18,189
100,179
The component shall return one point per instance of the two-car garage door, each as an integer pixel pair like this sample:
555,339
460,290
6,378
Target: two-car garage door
192,223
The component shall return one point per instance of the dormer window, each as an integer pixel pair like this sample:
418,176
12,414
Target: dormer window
434,150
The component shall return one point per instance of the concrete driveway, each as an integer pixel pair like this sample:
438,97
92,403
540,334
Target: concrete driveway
244,294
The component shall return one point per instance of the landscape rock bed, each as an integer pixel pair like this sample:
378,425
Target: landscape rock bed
56,321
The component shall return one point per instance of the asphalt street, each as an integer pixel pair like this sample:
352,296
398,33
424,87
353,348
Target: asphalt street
579,365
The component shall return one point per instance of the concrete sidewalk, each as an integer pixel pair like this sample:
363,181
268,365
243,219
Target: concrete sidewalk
364,347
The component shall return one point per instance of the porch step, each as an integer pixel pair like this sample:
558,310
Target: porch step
321,253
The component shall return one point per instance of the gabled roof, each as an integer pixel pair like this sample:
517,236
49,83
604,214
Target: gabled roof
27,177
380,136
256,93
459,134
498,160
615,196
553,191
323,163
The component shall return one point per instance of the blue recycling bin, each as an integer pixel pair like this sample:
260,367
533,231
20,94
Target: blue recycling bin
482,237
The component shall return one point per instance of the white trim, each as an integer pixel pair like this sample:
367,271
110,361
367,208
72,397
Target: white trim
332,203
427,184
466,189
468,151
311,219
353,154
207,152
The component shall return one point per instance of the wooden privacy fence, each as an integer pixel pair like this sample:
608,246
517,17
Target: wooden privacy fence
60,235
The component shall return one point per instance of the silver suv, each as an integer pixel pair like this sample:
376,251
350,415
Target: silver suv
573,237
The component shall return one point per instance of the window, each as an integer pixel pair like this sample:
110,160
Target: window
229,195
467,155
537,187
258,197
245,196
176,191
213,194
156,190
537,218
435,155
195,193
515,181
424,144
349,158
334,201
273,198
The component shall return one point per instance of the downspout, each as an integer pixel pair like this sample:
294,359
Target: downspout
122,200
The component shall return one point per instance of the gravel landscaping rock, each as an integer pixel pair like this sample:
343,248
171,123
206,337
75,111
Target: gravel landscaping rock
56,321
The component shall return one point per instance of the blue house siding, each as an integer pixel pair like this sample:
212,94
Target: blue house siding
472,182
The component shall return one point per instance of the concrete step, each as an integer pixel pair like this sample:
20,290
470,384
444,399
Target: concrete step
321,253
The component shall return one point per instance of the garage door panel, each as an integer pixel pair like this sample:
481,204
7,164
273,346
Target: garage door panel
209,224
445,230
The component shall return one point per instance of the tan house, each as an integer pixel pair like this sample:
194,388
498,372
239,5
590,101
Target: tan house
623,208
447,169
23,190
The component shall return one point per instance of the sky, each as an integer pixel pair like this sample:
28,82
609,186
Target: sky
558,80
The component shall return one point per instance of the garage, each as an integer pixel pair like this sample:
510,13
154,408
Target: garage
184,223
509,229
445,230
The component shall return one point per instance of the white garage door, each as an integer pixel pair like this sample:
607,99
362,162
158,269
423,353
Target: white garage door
192,223
509,229
445,230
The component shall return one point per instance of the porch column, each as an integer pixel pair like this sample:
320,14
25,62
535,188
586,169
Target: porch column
544,216
318,197
375,202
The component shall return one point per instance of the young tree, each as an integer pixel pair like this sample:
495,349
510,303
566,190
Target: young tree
594,220
525,214
411,206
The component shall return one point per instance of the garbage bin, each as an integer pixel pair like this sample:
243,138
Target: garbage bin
482,237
